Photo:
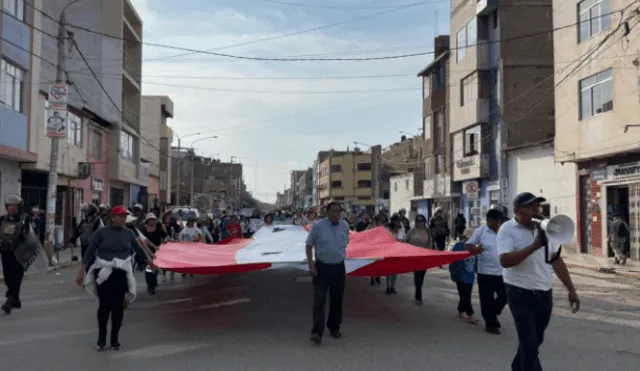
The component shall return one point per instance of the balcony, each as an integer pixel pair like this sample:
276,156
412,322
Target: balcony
484,7
131,118
131,64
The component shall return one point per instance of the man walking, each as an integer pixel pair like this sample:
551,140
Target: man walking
493,297
619,239
327,243
528,279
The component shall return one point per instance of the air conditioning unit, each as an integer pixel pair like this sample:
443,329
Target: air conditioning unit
85,170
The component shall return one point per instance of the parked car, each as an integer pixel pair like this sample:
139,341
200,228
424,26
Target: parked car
186,212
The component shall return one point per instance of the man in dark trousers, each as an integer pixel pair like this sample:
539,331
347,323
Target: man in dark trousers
528,277
439,229
14,227
619,239
327,243
91,223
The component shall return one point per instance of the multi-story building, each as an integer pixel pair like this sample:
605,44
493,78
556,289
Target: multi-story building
596,115
17,83
439,188
165,187
314,184
99,157
398,159
155,112
498,50
350,177
301,187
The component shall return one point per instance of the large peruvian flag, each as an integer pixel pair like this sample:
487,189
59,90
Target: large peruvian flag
373,252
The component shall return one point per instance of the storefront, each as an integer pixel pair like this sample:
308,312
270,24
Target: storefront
606,188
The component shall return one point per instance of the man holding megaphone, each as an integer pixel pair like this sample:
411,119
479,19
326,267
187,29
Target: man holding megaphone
524,243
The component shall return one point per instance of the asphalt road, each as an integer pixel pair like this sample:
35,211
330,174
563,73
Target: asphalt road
261,321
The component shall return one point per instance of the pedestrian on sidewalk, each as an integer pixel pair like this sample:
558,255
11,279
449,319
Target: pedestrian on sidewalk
619,239
88,225
528,279
15,228
419,236
107,273
326,248
493,297
463,274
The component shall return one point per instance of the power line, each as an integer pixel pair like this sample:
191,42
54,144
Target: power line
336,7
276,59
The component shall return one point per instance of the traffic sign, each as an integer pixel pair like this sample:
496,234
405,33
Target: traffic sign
471,190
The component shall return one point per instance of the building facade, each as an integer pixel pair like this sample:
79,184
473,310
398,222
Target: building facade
156,110
17,81
349,177
439,188
596,123
485,67
164,188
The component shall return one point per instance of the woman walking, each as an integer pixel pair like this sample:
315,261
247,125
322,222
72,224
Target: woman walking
155,233
419,236
107,273
397,230
378,221
463,274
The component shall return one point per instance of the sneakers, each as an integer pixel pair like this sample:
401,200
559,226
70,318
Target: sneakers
336,334
316,338
7,307
115,346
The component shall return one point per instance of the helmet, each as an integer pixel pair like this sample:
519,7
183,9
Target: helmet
89,209
105,207
137,207
14,199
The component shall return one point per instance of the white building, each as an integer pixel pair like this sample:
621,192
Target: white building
401,193
534,170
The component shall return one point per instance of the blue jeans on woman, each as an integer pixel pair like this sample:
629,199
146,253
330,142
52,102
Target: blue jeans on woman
391,282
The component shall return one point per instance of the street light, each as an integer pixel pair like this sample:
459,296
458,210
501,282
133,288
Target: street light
191,198
180,162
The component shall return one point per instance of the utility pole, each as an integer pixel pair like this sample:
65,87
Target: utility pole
61,79
191,187
179,171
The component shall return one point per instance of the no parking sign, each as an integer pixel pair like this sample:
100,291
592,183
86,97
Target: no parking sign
471,189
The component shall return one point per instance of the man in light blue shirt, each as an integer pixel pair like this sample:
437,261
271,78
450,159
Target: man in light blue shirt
327,243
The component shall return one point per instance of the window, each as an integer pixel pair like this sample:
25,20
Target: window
364,184
437,131
427,168
96,145
461,43
127,146
596,94
11,78
336,184
426,127
472,32
74,130
594,17
438,78
406,184
470,144
336,168
14,8
364,167
426,86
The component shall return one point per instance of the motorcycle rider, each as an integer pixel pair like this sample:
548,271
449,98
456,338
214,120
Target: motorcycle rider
91,223
105,214
14,226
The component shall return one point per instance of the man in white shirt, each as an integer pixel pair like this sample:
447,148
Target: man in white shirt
493,297
528,278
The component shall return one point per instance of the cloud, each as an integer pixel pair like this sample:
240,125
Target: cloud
251,117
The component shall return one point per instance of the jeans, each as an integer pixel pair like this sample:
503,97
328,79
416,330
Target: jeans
13,274
111,294
531,310
493,298
418,281
391,282
464,293
330,280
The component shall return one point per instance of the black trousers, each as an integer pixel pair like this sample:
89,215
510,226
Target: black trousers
464,295
531,310
111,295
13,274
493,298
83,249
441,242
418,281
330,280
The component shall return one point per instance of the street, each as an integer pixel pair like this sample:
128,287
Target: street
262,320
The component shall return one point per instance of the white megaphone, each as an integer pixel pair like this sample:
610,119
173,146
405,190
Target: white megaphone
559,229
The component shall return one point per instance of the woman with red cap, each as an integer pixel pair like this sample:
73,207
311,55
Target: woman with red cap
107,273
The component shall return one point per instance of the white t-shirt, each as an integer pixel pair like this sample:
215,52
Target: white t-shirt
534,273
189,234
488,260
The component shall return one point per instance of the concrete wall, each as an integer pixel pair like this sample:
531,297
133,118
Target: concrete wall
401,192
150,121
535,170
10,175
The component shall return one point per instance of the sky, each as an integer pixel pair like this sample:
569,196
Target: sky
275,116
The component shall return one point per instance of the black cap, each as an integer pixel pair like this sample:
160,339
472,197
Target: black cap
527,198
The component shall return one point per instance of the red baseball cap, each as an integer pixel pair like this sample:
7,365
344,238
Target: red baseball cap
119,210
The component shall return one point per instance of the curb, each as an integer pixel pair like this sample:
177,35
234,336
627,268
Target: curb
50,269
607,270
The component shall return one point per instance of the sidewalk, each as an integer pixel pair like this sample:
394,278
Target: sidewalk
602,265
41,264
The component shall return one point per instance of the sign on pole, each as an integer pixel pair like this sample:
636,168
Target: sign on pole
471,189
56,126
